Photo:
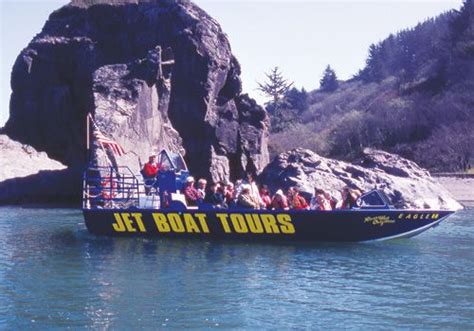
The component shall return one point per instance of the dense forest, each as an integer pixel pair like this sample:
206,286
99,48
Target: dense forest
414,97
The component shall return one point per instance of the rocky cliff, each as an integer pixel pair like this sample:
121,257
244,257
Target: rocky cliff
154,74
404,182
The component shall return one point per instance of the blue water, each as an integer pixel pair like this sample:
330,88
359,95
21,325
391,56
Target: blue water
53,274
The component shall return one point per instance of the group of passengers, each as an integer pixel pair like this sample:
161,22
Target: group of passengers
246,194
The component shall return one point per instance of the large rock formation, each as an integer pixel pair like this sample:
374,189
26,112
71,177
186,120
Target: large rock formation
405,183
139,94
27,175
154,74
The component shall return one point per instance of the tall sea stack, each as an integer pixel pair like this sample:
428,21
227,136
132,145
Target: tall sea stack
154,74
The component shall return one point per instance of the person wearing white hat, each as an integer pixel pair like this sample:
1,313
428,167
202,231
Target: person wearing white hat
245,199
280,201
201,187
192,195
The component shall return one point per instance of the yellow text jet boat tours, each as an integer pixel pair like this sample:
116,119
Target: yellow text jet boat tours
115,204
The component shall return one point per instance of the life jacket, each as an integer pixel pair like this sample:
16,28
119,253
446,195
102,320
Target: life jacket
109,186
266,200
150,170
279,202
299,202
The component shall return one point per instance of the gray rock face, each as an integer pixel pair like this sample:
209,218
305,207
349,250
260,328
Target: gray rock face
405,183
27,175
102,57
131,105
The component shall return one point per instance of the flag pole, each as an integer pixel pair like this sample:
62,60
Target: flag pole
88,143
89,121
106,156
88,156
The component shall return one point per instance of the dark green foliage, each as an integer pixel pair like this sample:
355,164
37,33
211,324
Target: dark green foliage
283,119
435,53
328,82
460,62
409,53
462,24
296,99
288,113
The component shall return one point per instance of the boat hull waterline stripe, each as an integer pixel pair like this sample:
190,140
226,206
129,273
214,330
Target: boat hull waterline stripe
408,234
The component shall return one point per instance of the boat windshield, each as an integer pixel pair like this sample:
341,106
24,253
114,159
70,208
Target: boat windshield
172,161
373,199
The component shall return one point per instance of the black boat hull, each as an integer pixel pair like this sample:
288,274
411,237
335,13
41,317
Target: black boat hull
357,225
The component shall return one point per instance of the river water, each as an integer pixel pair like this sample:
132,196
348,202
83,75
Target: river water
53,274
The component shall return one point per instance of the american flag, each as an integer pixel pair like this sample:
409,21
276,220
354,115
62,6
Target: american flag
105,141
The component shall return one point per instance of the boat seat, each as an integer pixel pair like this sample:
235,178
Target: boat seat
178,197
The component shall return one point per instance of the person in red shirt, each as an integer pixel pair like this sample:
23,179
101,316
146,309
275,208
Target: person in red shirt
349,197
192,195
279,201
149,172
265,197
229,194
297,201
151,168
321,200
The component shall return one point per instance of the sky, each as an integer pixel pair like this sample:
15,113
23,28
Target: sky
300,37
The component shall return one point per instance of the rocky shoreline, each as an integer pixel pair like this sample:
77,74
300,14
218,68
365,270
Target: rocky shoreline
460,186
27,175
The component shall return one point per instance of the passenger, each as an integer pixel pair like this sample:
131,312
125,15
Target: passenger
313,203
280,201
201,187
289,195
237,189
349,198
297,201
320,201
192,195
165,199
254,192
223,191
215,196
149,172
245,199
332,200
229,194
265,197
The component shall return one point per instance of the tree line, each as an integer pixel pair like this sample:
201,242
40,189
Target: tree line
413,97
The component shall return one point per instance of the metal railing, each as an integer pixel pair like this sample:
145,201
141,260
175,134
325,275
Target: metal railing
114,188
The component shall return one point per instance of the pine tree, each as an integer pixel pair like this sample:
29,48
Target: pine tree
296,99
329,81
275,88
